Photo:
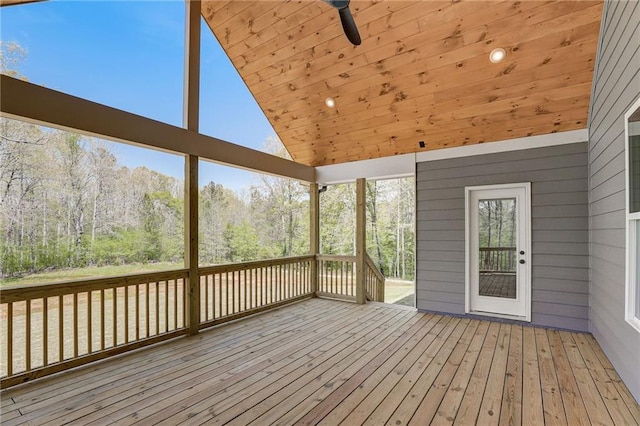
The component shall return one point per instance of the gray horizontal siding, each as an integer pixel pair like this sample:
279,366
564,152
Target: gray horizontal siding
616,86
560,259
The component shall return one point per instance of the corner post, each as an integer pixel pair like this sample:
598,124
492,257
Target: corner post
361,239
314,233
191,113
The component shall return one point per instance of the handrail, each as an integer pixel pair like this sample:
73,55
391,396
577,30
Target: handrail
336,257
11,294
374,281
229,267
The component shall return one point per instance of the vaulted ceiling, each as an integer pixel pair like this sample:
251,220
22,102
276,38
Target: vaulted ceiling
422,72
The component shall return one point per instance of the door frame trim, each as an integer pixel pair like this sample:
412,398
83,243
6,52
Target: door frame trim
467,243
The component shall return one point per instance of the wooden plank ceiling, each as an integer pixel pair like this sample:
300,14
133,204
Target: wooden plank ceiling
422,72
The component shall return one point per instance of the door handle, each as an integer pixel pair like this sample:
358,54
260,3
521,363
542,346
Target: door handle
521,251
521,261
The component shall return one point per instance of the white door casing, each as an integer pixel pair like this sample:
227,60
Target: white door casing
517,303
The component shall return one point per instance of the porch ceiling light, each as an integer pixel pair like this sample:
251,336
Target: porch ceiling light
330,102
497,55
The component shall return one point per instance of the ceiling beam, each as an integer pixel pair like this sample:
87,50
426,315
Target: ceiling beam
28,102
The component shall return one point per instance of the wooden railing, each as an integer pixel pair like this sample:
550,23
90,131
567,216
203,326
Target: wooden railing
49,328
232,291
337,276
374,281
497,259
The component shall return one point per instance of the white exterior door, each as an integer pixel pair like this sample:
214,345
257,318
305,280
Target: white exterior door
498,251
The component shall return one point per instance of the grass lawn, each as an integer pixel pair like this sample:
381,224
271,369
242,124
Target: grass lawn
395,290
88,272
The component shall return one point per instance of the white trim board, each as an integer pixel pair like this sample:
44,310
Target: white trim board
404,165
530,142
374,169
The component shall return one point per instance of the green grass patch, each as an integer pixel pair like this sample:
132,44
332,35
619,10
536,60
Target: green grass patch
396,289
88,273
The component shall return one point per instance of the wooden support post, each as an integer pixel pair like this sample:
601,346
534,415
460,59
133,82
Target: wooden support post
314,233
191,114
361,240
191,242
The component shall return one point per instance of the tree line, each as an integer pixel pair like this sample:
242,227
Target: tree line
66,202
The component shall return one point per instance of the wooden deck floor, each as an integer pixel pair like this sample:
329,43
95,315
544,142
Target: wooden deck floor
327,362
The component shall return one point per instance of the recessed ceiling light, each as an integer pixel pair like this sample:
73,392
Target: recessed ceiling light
330,102
497,55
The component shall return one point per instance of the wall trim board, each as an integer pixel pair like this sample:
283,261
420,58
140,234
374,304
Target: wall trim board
531,142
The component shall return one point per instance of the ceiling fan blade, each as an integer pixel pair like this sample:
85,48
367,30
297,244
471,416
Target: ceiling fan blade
349,26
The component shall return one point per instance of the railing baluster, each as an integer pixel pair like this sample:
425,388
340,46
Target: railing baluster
102,319
146,307
219,281
115,316
45,331
226,287
75,325
126,313
137,317
89,328
10,338
175,304
60,329
157,307
244,282
28,336
206,297
166,306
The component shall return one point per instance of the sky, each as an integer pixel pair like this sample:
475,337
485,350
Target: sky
129,55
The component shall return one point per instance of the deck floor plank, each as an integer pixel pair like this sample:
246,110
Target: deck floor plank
405,411
470,404
573,405
618,410
80,404
596,409
452,400
355,408
322,361
395,395
492,400
295,409
248,362
194,403
551,398
511,411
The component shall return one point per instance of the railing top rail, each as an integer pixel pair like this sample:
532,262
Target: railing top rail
336,257
230,267
38,291
497,248
373,268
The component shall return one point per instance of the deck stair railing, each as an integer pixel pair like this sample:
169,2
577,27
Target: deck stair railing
498,259
337,278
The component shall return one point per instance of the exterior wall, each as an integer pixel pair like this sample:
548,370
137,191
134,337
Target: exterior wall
560,258
616,87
